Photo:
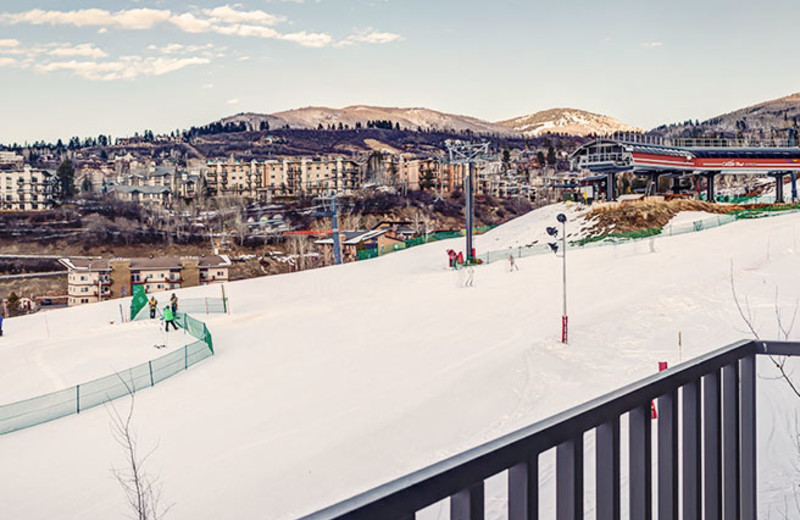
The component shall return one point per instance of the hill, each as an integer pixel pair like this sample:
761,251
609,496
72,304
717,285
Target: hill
759,121
326,383
567,121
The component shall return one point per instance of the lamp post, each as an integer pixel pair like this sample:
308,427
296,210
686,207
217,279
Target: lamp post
553,232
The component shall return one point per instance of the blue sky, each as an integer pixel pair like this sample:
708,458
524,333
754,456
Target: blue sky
113,67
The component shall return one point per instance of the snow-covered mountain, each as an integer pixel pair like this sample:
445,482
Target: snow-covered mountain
558,120
567,121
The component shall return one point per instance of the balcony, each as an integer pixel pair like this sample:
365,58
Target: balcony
706,417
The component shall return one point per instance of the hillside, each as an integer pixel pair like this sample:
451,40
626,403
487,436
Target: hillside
320,388
408,119
754,121
560,120
566,121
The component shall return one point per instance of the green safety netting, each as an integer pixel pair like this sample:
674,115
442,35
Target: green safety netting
44,408
185,305
139,300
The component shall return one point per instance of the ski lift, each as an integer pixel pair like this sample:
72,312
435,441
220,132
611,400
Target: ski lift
552,231
553,246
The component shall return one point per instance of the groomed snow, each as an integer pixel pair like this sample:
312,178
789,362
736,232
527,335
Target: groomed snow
329,382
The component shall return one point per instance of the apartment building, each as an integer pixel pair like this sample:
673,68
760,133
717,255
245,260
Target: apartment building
90,281
25,188
286,177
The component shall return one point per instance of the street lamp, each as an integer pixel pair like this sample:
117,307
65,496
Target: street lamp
553,232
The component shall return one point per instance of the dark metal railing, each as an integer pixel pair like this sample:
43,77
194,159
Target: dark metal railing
716,428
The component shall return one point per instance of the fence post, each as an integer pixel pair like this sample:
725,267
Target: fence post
78,398
206,304
150,364
186,357
523,489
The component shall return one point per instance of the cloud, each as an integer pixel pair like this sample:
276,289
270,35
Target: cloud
228,14
7,62
126,67
650,45
208,85
232,101
371,37
228,20
102,30
125,19
9,43
84,49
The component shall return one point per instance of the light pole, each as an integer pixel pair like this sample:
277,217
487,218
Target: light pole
553,232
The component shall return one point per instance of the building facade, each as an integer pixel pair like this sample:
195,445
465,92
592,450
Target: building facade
91,281
25,189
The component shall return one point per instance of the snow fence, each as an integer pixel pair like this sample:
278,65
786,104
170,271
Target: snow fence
639,234
190,306
44,408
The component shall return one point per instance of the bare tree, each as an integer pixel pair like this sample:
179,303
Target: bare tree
143,491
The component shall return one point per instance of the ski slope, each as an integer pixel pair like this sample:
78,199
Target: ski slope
329,382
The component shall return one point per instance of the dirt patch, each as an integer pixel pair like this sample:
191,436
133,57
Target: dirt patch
619,218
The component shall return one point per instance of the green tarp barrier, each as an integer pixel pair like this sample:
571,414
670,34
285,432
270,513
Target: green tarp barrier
139,300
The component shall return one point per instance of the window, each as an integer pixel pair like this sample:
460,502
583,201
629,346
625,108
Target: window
83,278
220,273
84,300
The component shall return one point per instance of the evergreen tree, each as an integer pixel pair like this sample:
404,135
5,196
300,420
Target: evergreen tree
65,177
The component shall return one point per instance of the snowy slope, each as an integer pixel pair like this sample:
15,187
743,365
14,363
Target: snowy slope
329,382
567,121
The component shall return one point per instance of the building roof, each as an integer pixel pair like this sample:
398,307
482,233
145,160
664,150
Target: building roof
144,263
147,190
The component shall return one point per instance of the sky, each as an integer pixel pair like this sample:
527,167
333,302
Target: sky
115,67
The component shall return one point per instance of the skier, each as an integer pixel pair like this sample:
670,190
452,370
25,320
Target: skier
169,318
153,306
173,301
470,277
1,324
512,264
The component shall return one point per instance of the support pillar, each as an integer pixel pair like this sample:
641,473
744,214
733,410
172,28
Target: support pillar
470,209
710,186
779,188
611,186
793,177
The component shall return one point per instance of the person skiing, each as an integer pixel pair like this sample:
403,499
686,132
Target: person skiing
512,264
153,306
173,301
169,318
1,324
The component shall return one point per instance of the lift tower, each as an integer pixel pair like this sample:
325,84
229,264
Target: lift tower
462,152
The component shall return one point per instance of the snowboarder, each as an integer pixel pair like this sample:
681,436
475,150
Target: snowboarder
512,264
153,306
169,318
173,301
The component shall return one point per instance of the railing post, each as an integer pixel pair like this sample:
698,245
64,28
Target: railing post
640,471
186,357
608,470
468,503
747,433
569,479
523,490
730,442
78,398
711,445
150,365
668,456
691,451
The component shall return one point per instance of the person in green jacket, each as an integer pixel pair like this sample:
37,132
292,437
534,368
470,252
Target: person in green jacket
169,318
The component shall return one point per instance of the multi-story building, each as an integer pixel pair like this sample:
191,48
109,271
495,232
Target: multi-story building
287,177
25,189
90,281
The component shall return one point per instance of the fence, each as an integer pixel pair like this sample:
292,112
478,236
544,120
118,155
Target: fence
191,306
365,254
712,434
44,408
669,230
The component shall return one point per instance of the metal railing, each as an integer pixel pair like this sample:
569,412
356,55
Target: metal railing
713,434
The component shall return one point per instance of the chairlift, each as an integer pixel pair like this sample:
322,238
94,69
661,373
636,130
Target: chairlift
553,246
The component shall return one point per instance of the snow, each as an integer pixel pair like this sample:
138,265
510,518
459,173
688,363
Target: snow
330,382
687,217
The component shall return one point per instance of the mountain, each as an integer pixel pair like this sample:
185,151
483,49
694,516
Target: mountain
753,121
560,120
566,121
407,118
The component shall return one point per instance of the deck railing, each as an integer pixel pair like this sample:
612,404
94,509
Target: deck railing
712,434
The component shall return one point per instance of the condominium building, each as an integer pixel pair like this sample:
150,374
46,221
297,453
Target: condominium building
90,281
25,189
